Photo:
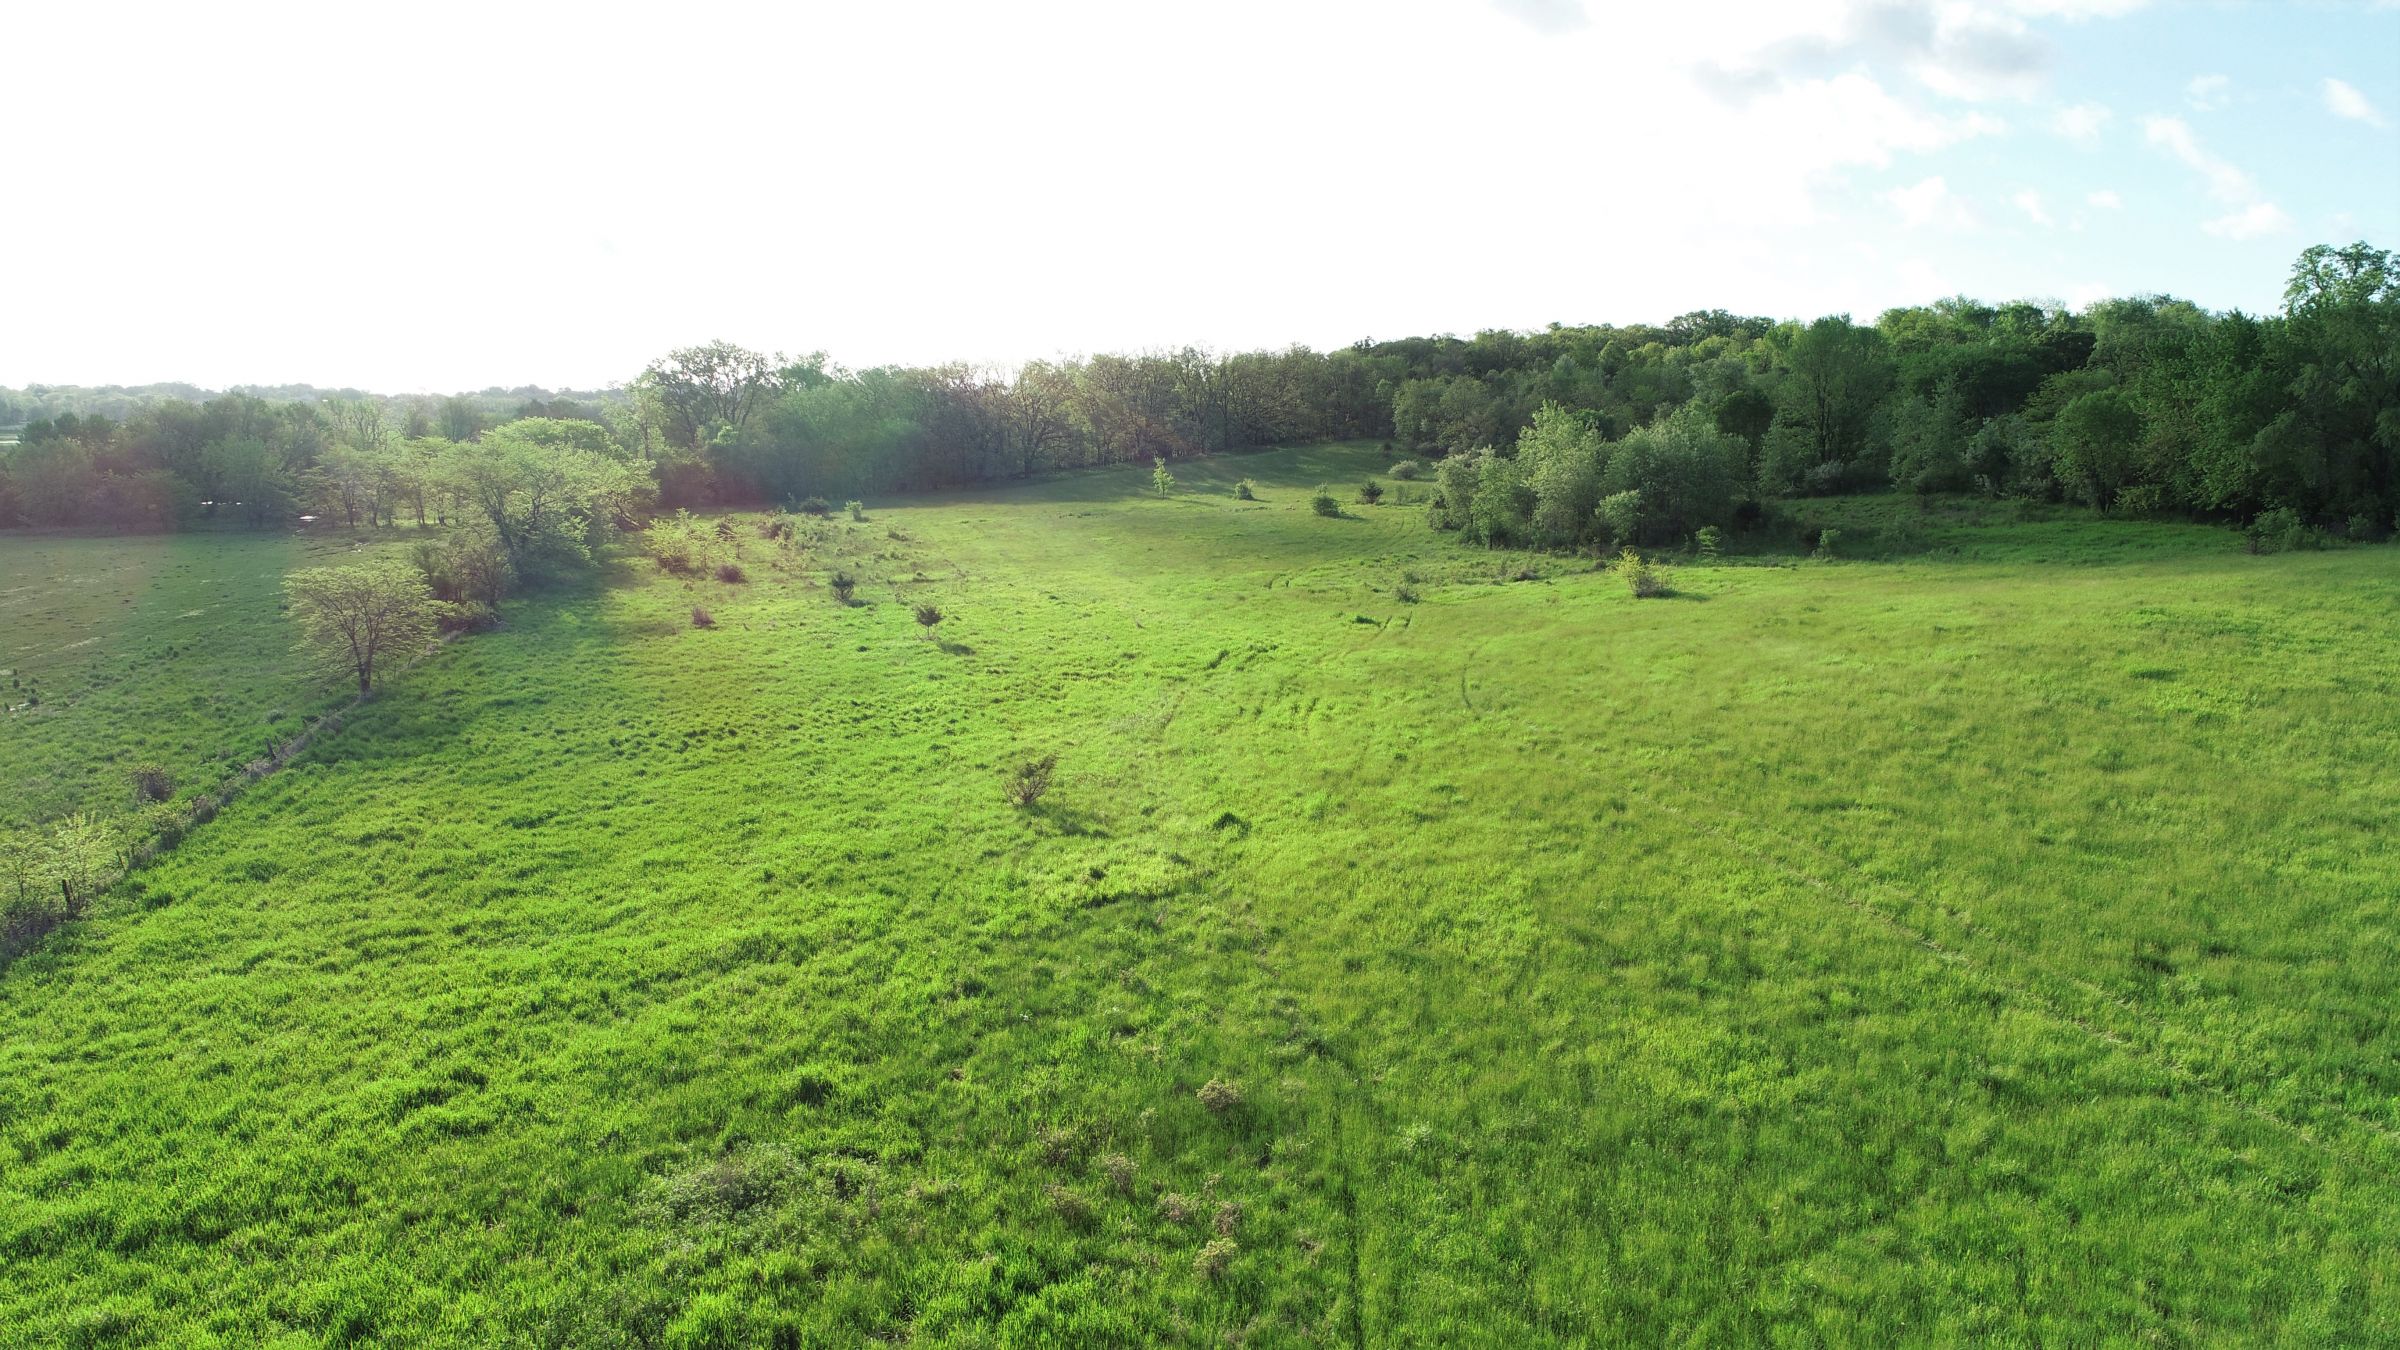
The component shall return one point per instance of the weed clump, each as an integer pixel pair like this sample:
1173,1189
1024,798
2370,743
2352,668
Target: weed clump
732,574
1323,502
1030,781
152,782
1220,1096
1210,1264
701,618
1246,490
1370,492
845,587
857,510
1646,579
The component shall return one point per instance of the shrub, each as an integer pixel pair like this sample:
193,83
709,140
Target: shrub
725,528
2280,530
1646,579
732,574
1119,1170
1406,595
1160,478
1324,504
701,618
1829,542
928,616
844,586
1220,1096
2360,527
1246,490
1370,492
778,526
1030,781
467,617
1708,543
1619,515
2139,501
152,782
816,506
857,510
1407,471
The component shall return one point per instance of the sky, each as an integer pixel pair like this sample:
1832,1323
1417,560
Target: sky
437,197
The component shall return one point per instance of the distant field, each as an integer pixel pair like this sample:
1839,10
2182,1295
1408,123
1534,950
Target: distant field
1999,944
124,648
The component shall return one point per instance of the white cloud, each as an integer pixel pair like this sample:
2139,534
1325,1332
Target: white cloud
2081,123
2226,183
1929,202
2075,11
2343,100
2251,222
2030,202
1547,16
2207,93
2105,199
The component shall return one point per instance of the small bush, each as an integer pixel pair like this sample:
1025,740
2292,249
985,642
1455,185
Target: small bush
1406,595
1708,543
1220,1096
1644,578
2360,527
732,574
467,616
1119,1170
1370,492
928,616
2139,502
816,506
2280,531
844,586
1407,471
1159,477
1246,490
1829,542
778,526
857,510
701,618
1030,781
152,782
725,528
1324,504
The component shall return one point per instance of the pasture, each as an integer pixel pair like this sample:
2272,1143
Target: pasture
1994,941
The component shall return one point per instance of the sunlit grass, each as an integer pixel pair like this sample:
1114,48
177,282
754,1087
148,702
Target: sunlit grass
1990,945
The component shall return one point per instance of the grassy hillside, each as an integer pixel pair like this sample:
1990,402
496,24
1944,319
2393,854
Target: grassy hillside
1993,944
121,649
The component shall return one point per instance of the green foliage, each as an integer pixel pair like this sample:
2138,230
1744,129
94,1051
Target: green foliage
1245,490
1828,544
1160,479
1323,502
1644,578
361,617
857,510
1370,492
1407,471
1707,543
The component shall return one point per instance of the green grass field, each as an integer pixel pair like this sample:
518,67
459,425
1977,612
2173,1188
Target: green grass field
172,649
1991,944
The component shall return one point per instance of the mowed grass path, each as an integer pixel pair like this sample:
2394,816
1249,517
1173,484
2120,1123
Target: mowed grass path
1974,949
116,650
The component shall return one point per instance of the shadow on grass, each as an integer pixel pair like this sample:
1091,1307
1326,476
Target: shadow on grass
957,648
1067,820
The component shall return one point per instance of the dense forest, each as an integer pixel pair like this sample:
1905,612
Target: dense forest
1565,437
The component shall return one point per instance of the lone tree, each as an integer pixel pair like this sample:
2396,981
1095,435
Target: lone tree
355,616
927,617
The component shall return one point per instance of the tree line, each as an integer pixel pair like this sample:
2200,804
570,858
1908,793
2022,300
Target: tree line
2141,405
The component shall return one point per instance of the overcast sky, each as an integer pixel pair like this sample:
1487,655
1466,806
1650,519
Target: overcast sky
439,197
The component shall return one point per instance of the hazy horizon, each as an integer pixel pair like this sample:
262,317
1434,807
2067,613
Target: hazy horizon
411,204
